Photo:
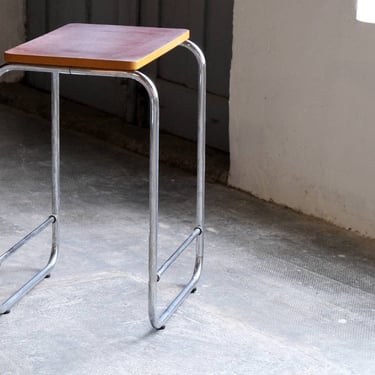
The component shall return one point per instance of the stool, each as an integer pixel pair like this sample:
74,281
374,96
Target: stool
113,51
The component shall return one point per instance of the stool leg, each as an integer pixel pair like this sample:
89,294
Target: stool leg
201,156
158,322
154,205
52,219
55,142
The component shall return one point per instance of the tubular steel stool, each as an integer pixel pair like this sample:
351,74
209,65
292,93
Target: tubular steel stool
113,51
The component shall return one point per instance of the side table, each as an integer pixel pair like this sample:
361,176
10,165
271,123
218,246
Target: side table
113,51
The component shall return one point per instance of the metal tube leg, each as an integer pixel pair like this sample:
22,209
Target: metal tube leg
154,207
201,140
45,272
159,321
55,142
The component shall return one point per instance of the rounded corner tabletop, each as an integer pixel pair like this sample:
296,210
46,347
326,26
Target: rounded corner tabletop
91,46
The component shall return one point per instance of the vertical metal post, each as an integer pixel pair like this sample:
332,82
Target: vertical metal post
154,199
55,142
201,157
201,140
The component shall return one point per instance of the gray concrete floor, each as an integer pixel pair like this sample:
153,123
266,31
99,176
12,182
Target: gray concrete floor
281,293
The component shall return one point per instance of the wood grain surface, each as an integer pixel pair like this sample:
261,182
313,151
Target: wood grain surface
93,46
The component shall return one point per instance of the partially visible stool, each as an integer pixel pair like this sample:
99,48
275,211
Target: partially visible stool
113,51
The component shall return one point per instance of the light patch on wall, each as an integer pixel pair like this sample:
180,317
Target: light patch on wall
366,11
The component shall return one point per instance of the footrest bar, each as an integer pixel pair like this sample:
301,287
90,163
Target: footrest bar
177,301
197,231
36,279
33,233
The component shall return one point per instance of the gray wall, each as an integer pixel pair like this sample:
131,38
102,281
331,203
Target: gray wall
210,22
12,21
302,108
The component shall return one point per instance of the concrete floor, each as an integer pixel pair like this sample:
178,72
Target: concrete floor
281,293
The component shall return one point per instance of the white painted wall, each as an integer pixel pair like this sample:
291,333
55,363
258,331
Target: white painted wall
12,31
302,108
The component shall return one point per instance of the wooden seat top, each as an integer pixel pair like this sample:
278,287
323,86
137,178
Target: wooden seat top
110,47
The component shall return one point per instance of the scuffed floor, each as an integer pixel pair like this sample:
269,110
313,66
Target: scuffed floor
281,293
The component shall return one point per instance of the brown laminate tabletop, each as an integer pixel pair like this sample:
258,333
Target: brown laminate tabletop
89,46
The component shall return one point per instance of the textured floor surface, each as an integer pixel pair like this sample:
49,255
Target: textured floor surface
281,293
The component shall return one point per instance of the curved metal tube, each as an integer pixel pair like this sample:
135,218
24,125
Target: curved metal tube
201,139
31,68
153,196
53,218
159,322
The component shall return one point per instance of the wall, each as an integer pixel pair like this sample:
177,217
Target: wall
302,108
12,21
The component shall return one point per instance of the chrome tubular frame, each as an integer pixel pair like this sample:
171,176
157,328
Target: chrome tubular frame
155,273
158,321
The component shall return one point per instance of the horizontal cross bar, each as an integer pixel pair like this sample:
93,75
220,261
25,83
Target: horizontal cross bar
33,233
182,295
197,231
